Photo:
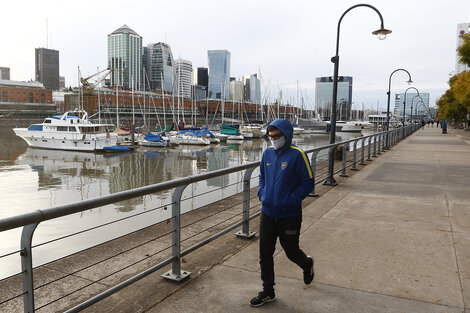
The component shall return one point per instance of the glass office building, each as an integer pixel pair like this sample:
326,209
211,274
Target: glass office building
47,67
324,97
219,73
125,58
159,66
419,110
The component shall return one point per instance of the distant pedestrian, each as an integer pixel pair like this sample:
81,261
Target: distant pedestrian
437,123
285,179
444,127
423,123
429,123
432,123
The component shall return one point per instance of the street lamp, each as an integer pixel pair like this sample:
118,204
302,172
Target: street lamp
411,111
381,33
410,81
416,108
404,102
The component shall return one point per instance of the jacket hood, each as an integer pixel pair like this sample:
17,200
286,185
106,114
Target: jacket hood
284,126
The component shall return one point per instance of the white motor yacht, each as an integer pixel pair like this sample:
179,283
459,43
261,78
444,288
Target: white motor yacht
69,131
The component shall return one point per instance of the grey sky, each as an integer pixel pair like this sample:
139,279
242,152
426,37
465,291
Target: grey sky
288,41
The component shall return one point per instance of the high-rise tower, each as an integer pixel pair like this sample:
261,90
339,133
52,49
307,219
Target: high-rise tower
219,73
125,57
160,66
184,75
47,67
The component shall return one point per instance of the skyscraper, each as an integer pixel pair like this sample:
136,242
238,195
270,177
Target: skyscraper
160,66
184,75
5,73
125,57
47,67
324,97
219,73
252,89
462,29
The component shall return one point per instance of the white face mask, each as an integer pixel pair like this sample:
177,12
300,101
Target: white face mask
279,143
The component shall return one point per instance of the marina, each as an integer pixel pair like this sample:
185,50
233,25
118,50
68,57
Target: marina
33,179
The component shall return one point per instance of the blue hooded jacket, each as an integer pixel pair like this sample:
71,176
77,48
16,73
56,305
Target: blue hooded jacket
286,177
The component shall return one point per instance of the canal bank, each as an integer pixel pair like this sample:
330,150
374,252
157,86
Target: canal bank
392,238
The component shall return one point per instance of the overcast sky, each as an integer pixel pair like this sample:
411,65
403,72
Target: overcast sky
283,41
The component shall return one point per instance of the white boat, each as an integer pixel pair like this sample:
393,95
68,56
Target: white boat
154,140
252,131
70,131
222,137
348,127
298,130
191,139
235,137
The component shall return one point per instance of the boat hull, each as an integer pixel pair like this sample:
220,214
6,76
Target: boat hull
66,141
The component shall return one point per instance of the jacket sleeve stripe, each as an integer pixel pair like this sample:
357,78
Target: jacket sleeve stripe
307,164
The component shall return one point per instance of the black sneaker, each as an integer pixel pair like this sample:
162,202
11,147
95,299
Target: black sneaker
262,298
308,272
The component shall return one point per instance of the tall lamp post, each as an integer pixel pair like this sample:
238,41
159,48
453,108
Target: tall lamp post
381,33
404,103
416,108
411,111
410,81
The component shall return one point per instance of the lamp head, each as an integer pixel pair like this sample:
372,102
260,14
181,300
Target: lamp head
410,82
382,33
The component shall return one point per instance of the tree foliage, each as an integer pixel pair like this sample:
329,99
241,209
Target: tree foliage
455,102
464,50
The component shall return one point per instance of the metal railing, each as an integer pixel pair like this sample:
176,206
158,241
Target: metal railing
354,152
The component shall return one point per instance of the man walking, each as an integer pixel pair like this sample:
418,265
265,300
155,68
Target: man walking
285,179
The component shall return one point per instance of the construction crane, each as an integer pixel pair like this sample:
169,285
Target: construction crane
89,87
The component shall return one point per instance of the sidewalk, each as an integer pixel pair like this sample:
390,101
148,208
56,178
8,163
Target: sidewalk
395,237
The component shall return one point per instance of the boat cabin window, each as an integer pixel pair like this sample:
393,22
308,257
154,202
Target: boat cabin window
47,121
72,129
62,128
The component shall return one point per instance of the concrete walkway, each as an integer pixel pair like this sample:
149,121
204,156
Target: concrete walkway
395,237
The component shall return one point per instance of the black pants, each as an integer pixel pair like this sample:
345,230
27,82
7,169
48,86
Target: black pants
288,231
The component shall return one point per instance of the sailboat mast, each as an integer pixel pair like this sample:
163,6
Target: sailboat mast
163,101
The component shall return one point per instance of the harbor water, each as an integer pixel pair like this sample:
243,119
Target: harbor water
32,179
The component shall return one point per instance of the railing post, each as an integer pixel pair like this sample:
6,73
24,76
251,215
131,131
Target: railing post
354,167
175,274
313,165
27,267
330,180
343,170
245,232
379,144
362,151
383,141
375,147
368,149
